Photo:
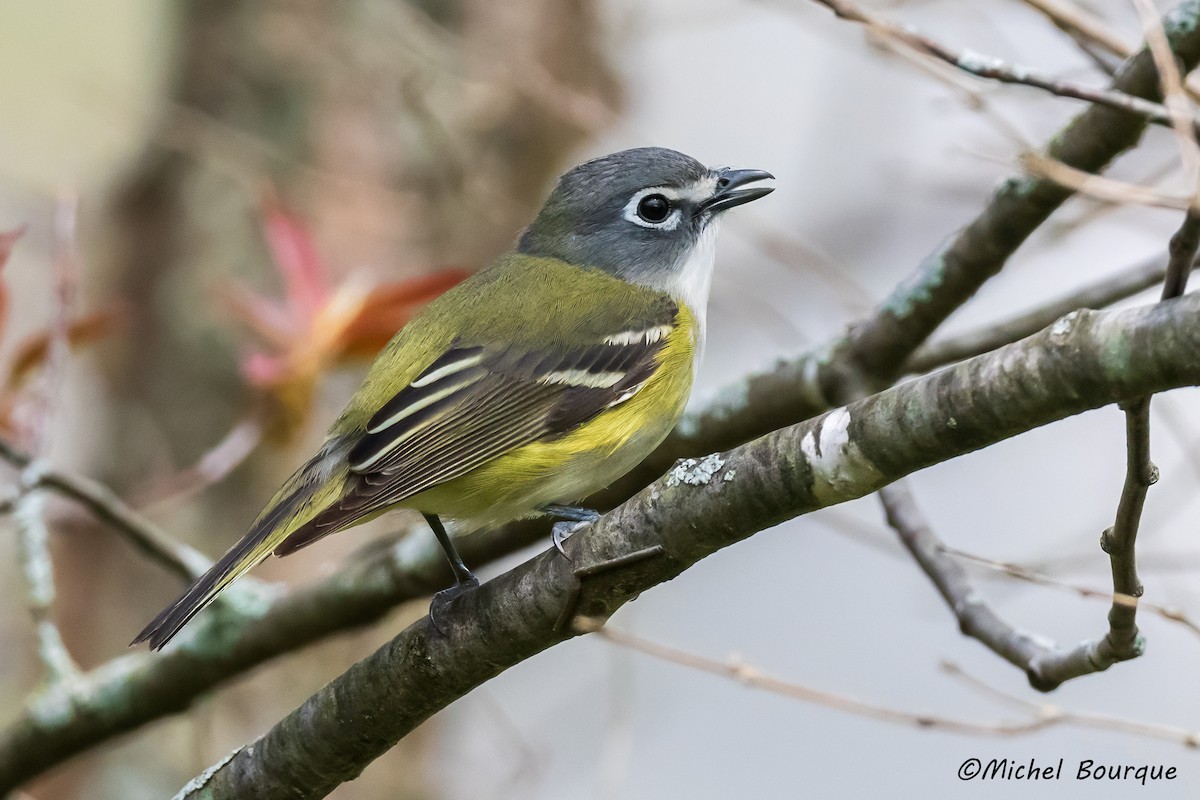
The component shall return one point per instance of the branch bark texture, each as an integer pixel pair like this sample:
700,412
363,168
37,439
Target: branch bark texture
877,347
138,688
1083,361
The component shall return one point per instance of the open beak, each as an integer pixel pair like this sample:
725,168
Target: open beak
729,192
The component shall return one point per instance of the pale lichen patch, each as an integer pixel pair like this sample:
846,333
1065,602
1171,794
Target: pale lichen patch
840,469
1064,325
695,473
200,781
918,288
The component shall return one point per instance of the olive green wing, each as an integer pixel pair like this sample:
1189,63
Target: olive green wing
476,403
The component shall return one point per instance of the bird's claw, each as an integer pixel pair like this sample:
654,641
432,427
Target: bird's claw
443,599
561,531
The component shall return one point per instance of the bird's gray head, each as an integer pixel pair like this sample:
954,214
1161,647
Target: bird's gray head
647,216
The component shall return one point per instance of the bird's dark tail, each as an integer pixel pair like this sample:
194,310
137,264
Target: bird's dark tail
239,559
305,495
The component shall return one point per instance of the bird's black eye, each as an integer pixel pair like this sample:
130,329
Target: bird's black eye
654,208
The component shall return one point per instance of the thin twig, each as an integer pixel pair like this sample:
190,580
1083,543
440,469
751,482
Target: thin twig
1175,99
1182,250
1069,16
1122,641
996,70
1085,719
1084,26
1100,294
1041,716
1108,190
211,468
940,71
29,506
1103,60
144,535
975,617
33,544
1024,573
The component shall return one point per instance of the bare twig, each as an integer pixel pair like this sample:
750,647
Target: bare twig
211,468
1084,26
1040,716
1097,186
1083,719
1175,99
1182,250
1105,61
975,617
940,71
994,69
1023,573
1070,17
1059,372
33,540
29,506
1100,294
104,503
1122,641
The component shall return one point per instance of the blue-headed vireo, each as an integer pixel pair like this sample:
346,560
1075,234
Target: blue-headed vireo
535,382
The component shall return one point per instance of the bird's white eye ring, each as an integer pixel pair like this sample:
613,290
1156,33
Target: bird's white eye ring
657,207
654,208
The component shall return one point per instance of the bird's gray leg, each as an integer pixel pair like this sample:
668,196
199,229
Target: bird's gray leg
464,579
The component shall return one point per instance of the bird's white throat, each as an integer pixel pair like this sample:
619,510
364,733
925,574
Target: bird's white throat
691,281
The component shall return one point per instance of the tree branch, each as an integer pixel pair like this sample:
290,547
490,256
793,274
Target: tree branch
33,546
994,69
144,535
250,625
1098,295
111,701
1086,360
877,346
976,618
1040,715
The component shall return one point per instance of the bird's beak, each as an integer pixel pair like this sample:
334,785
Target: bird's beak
729,193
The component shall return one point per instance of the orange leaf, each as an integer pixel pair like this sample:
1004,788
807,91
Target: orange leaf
389,307
31,352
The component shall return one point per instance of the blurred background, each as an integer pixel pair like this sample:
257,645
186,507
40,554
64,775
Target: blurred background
224,179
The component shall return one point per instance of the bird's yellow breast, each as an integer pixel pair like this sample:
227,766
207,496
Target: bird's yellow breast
567,469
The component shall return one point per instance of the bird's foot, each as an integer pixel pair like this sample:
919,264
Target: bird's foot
442,600
575,520
561,531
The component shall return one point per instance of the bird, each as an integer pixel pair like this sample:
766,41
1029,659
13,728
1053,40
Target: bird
536,381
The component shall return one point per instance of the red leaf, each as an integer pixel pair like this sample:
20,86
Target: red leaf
296,258
389,307
7,240
31,352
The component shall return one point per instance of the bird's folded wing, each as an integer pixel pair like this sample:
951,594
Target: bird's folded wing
475,403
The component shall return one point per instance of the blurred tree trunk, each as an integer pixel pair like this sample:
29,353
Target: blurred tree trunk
412,135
